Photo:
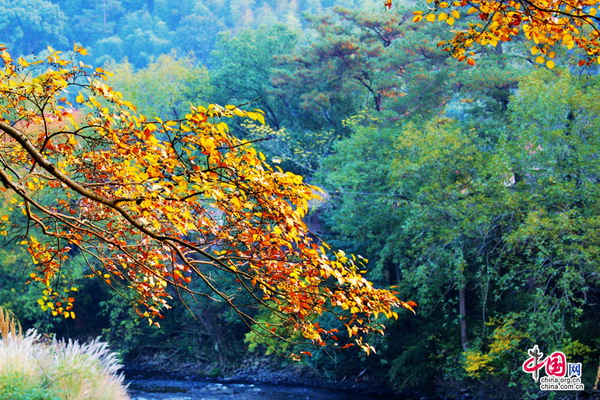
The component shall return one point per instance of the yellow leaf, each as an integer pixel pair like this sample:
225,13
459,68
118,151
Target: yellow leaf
430,17
442,16
455,14
534,50
6,57
540,59
222,128
450,21
472,10
95,102
256,116
80,50
550,64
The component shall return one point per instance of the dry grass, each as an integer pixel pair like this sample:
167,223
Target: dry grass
8,324
87,370
61,370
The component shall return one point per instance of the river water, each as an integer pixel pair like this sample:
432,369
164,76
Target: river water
171,389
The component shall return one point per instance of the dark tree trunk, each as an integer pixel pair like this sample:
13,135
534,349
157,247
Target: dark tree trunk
462,311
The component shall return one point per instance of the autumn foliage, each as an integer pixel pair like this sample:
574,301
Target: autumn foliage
153,205
546,23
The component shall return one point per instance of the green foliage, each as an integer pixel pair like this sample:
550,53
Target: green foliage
18,387
356,180
16,293
30,26
166,87
142,30
375,60
510,217
244,66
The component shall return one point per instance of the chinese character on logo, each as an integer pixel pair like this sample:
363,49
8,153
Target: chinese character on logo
556,364
532,364
574,369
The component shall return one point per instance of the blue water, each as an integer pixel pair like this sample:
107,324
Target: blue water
170,389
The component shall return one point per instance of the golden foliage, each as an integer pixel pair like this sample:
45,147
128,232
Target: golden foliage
153,204
504,339
476,362
546,23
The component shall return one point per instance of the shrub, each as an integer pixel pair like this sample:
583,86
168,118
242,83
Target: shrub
37,369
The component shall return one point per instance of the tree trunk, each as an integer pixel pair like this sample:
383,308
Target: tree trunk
463,316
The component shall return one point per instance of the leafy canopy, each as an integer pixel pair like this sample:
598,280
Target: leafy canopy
165,88
153,204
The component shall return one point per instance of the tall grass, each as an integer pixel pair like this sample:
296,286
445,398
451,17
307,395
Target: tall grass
32,369
8,324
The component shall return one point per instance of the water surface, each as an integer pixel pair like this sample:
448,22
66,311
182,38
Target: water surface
172,389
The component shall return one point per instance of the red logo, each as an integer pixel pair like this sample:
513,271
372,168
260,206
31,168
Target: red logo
556,364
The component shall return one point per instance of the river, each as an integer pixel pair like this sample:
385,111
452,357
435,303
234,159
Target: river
173,389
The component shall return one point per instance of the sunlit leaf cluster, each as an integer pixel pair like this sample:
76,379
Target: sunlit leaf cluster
153,205
547,23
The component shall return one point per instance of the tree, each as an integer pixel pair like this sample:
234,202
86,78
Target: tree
30,26
387,64
548,23
151,204
166,87
495,236
358,59
245,64
197,33
145,36
93,22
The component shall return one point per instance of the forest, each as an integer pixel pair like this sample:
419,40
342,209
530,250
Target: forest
460,185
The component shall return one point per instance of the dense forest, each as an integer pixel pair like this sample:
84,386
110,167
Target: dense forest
472,190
